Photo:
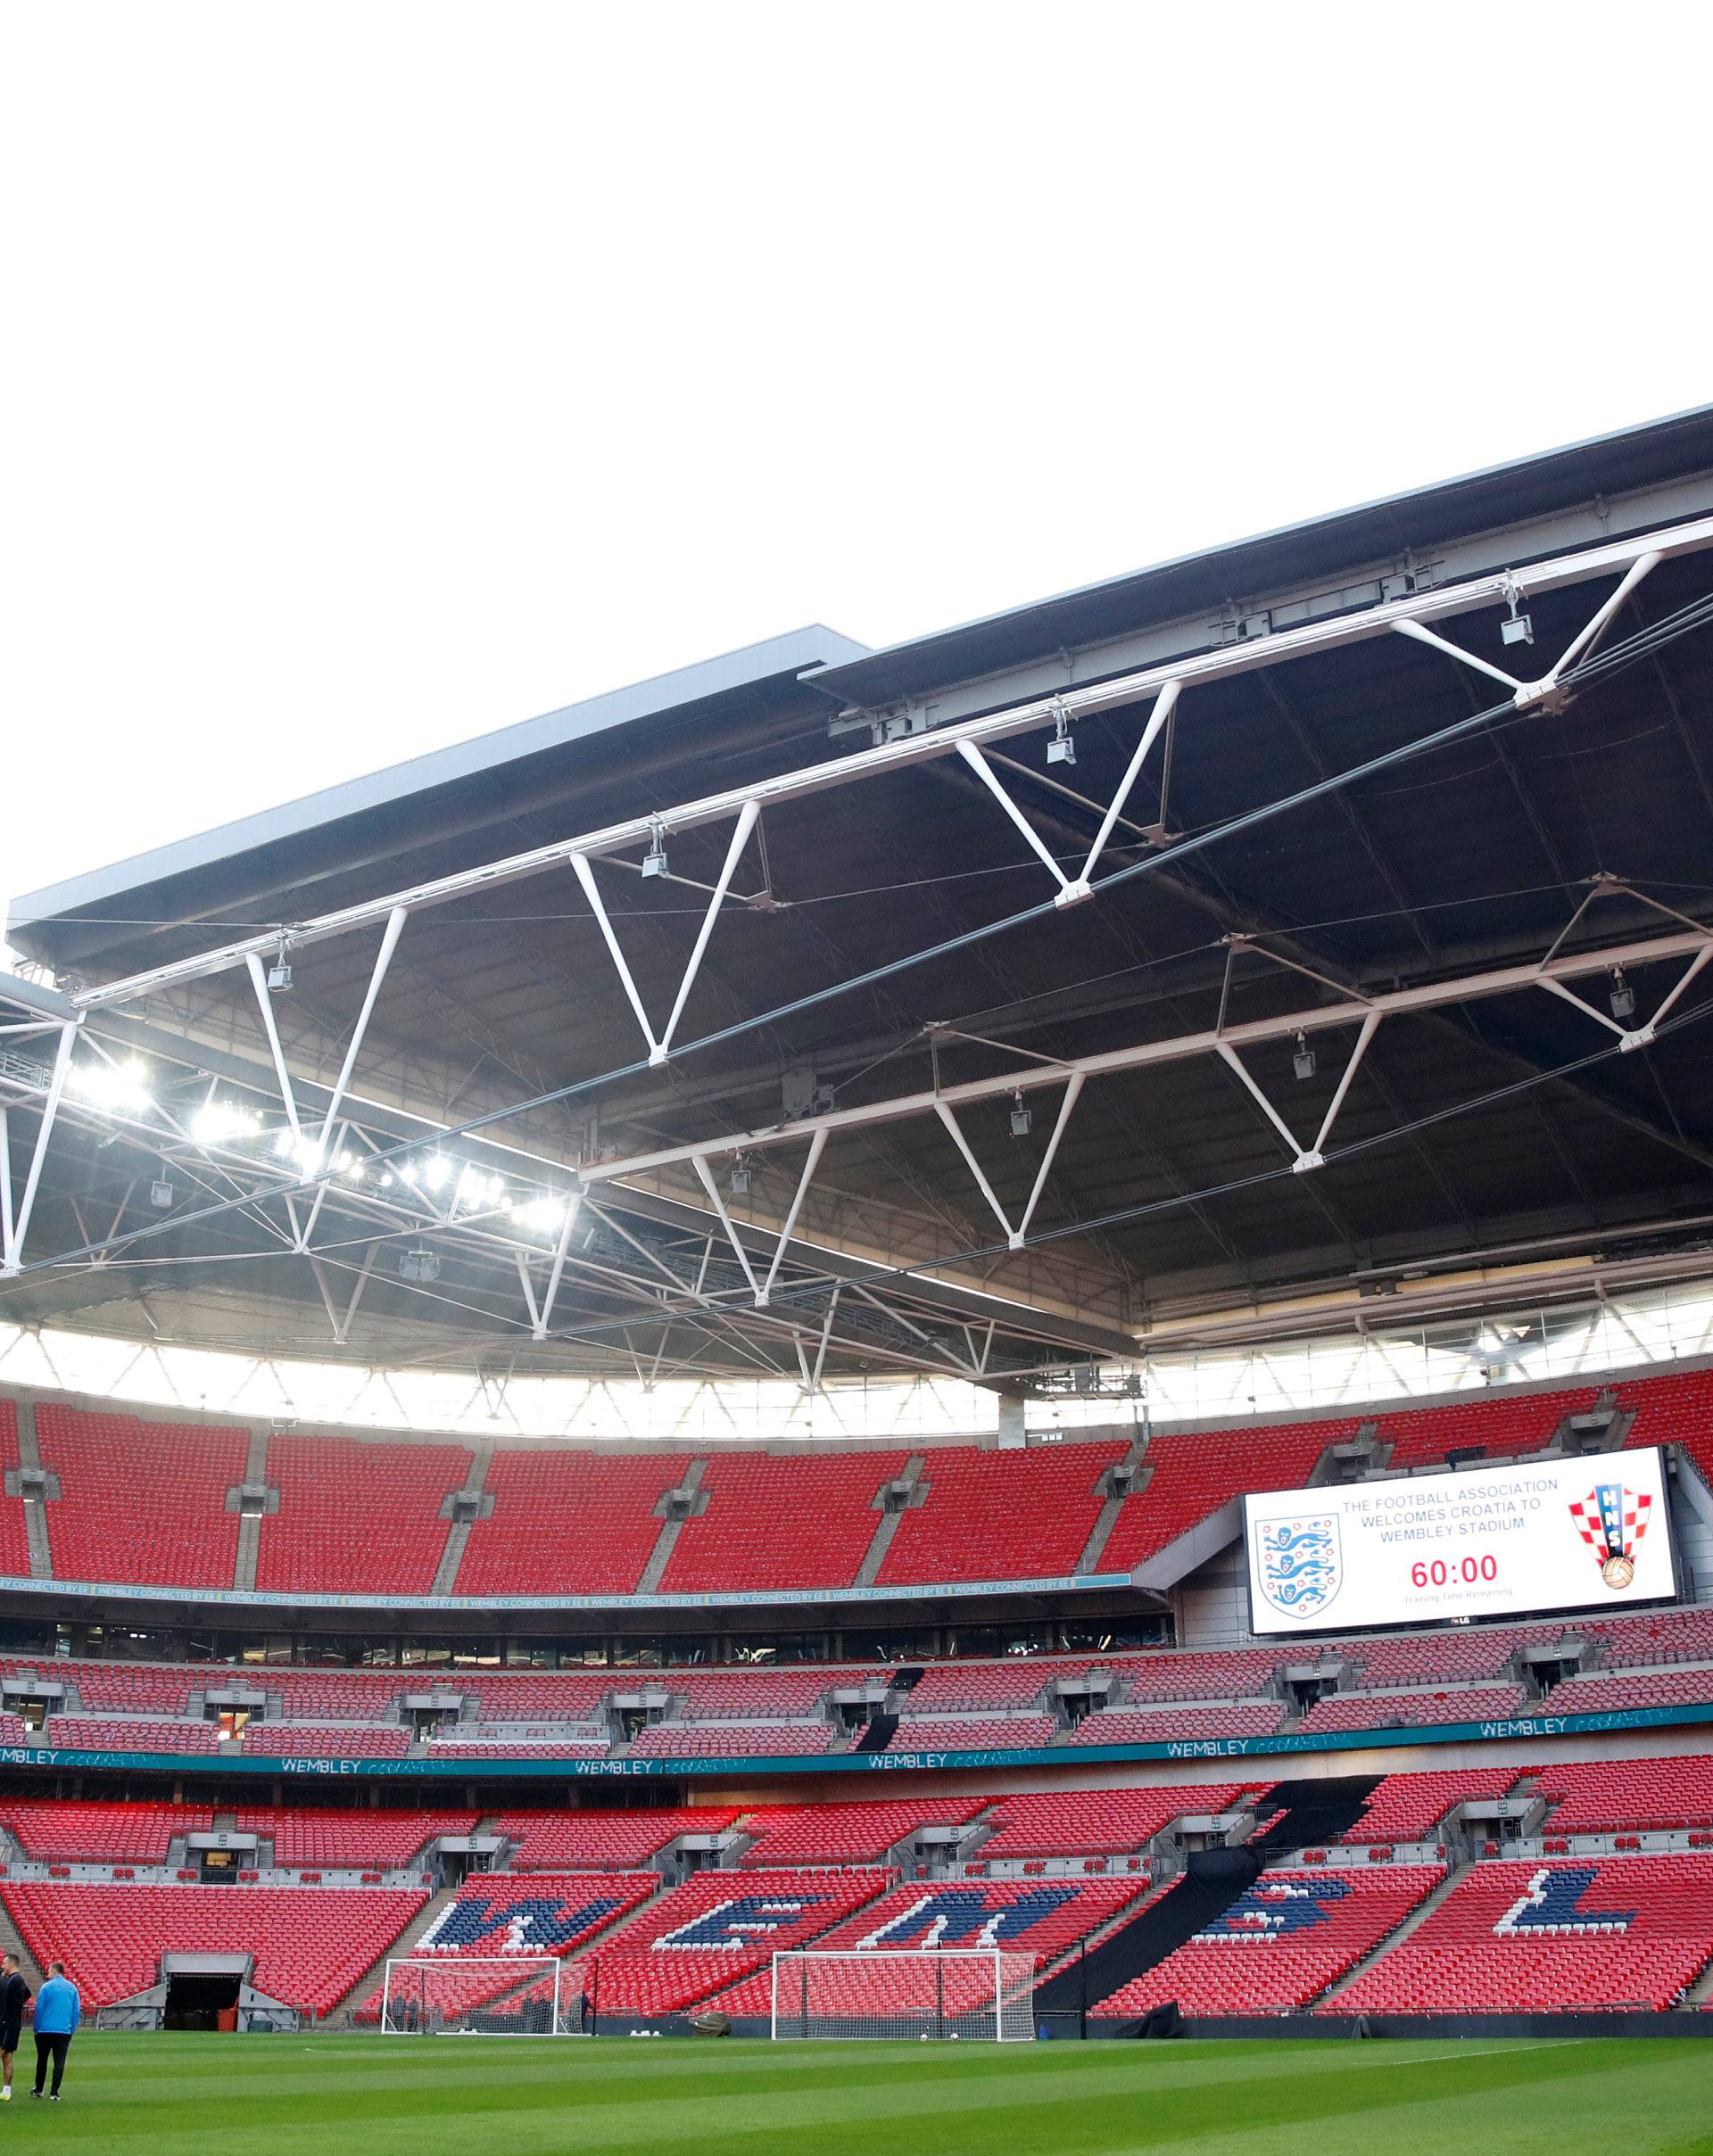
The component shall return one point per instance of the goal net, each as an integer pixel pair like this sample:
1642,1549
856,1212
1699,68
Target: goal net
471,1995
976,1992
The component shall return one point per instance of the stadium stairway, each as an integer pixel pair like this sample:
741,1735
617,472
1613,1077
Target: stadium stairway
368,1984
12,1941
1297,1813
1400,1932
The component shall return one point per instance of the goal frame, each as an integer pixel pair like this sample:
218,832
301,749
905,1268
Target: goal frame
1007,2010
525,1970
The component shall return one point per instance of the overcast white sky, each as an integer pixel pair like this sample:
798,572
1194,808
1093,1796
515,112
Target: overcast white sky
376,375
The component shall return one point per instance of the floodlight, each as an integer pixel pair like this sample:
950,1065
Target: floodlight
654,862
1623,994
1303,1062
741,1178
1519,629
419,1264
161,1194
280,974
1061,748
1021,1118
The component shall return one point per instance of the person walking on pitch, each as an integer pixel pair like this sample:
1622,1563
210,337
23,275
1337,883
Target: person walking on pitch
15,1996
58,2012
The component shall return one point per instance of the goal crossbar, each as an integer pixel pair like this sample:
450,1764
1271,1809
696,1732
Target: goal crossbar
480,1995
886,1992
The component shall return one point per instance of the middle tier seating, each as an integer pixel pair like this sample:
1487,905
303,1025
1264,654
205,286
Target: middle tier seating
1415,1710
310,1740
1599,1796
972,1732
1098,1823
601,1841
1179,1724
1410,1807
110,1733
846,1834
318,1836
94,1832
731,1739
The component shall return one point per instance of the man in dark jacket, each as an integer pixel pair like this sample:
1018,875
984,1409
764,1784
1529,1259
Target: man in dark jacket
15,1996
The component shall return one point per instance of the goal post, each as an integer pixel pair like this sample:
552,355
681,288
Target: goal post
961,1992
482,1996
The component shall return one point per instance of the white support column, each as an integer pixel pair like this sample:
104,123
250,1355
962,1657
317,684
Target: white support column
585,876
1013,1235
1643,1035
1065,1107
395,921
573,1207
528,1287
1643,565
705,1175
45,1130
1316,1155
343,1330
6,1191
1421,635
1165,703
990,778
746,823
817,1146
264,1001
1230,1056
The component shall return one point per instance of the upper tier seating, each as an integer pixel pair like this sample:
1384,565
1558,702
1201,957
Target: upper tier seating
1497,1424
601,1841
357,1517
1415,1710
717,1927
127,1688
971,1733
1098,1822
1041,1917
1180,1724
140,1501
1523,1937
845,1834
567,1523
353,1838
1000,1516
15,1534
781,1523
1410,1808
1194,1472
311,1944
1597,1796
1675,1409
1660,1636
99,1832
1281,1942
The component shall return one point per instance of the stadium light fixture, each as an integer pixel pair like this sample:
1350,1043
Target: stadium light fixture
162,1193
420,1265
1519,629
654,862
742,1177
280,974
1303,1060
1623,994
1061,748
1021,1117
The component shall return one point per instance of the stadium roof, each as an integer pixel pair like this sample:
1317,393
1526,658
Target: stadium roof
778,1019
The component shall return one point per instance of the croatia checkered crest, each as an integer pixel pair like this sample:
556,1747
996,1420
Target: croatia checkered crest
1612,1520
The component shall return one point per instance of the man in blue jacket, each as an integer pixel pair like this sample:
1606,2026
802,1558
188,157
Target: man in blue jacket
58,2012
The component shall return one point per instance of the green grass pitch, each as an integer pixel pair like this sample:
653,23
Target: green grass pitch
336,2095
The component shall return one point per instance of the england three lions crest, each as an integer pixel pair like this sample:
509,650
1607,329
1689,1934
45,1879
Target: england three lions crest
1300,1563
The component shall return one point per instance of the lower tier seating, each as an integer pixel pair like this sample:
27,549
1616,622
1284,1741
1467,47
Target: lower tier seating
1522,1936
1042,1917
1281,1942
717,1927
311,1944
